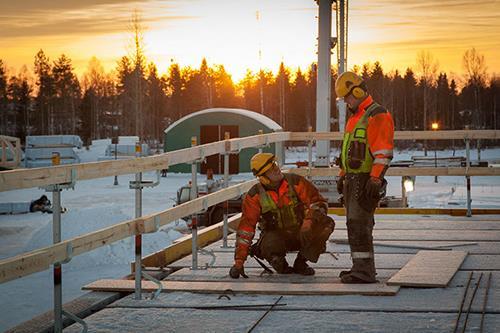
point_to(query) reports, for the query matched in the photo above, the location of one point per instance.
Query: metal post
(324, 80)
(342, 14)
(404, 197)
(279, 152)
(260, 133)
(309, 154)
(138, 238)
(478, 150)
(115, 129)
(467, 177)
(435, 164)
(56, 238)
(226, 203)
(194, 222)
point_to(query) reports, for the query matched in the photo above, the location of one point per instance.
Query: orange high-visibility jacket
(251, 209)
(380, 135)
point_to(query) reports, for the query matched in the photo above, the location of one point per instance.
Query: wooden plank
(375, 289)
(416, 223)
(410, 171)
(340, 211)
(421, 235)
(17, 179)
(182, 246)
(26, 178)
(429, 269)
(382, 261)
(405, 135)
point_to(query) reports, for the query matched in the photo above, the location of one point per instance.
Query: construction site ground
(307, 310)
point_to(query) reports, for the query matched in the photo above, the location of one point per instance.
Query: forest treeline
(134, 99)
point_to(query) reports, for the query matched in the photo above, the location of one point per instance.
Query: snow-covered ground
(95, 204)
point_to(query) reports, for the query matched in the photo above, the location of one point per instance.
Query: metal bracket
(157, 292)
(202, 153)
(156, 222)
(85, 327)
(69, 253)
(145, 183)
(62, 186)
(210, 253)
(204, 204)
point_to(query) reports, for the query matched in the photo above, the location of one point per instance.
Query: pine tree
(442, 110)
(409, 106)
(156, 104)
(19, 92)
(124, 88)
(224, 89)
(312, 78)
(45, 95)
(282, 84)
(251, 93)
(174, 88)
(297, 118)
(3, 98)
(396, 107)
(68, 94)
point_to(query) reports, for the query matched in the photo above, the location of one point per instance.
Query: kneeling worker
(292, 216)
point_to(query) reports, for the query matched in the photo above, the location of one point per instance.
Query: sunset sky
(228, 32)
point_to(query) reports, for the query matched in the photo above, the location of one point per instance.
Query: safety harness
(287, 217)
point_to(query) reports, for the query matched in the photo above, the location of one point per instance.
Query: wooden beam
(26, 178)
(429, 269)
(16, 179)
(182, 246)
(410, 171)
(374, 289)
(405, 135)
(340, 211)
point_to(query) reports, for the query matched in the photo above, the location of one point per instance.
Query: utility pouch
(356, 154)
(269, 221)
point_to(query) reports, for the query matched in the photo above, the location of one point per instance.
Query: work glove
(340, 184)
(373, 187)
(237, 270)
(306, 232)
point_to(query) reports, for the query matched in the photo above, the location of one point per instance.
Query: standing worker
(367, 150)
(291, 214)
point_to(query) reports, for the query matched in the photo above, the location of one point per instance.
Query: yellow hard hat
(350, 83)
(261, 162)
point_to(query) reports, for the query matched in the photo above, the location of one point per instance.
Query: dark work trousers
(276, 243)
(360, 222)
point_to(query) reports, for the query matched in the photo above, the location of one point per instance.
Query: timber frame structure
(12, 144)
(41, 259)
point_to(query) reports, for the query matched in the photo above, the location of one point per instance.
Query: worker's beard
(275, 180)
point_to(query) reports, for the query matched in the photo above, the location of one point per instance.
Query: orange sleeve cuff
(377, 170)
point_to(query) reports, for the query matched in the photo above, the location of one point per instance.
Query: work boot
(355, 277)
(344, 273)
(300, 266)
(280, 265)
(362, 271)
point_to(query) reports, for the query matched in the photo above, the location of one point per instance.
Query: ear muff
(264, 180)
(358, 92)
